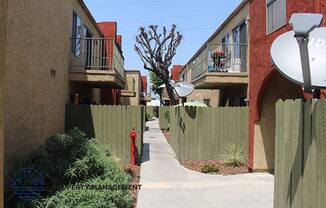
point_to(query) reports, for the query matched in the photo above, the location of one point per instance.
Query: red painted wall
(175, 72)
(109, 29)
(144, 83)
(110, 96)
(119, 41)
(260, 62)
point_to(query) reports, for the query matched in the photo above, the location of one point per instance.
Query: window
(239, 38)
(275, 15)
(184, 77)
(76, 34)
(133, 85)
(225, 43)
(207, 102)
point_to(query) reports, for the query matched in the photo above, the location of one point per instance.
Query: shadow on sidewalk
(145, 156)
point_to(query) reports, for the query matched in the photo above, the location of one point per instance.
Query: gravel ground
(223, 169)
(134, 171)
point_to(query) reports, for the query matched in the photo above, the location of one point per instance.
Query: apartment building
(219, 69)
(135, 89)
(97, 63)
(145, 97)
(268, 20)
(51, 53)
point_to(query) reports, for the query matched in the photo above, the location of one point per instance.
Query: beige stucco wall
(201, 94)
(235, 21)
(264, 137)
(38, 38)
(3, 35)
(132, 77)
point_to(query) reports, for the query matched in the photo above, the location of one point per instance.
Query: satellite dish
(183, 89)
(172, 82)
(287, 58)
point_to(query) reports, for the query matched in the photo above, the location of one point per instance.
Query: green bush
(209, 168)
(73, 159)
(57, 155)
(233, 155)
(97, 197)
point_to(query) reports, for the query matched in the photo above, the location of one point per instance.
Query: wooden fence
(205, 133)
(109, 125)
(300, 154)
(152, 111)
(164, 116)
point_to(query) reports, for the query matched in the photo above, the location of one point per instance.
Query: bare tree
(156, 50)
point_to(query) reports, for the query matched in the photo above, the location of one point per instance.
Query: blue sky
(195, 19)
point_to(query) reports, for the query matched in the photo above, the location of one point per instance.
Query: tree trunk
(171, 93)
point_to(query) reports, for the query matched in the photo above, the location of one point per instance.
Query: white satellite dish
(183, 89)
(300, 55)
(163, 85)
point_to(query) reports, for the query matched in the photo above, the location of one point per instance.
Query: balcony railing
(96, 54)
(230, 58)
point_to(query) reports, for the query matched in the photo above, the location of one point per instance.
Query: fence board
(300, 156)
(109, 125)
(203, 133)
(320, 122)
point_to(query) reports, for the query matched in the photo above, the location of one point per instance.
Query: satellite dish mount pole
(303, 42)
(303, 24)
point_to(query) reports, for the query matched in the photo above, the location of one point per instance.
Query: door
(88, 48)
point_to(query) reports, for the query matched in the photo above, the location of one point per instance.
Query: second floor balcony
(97, 61)
(220, 65)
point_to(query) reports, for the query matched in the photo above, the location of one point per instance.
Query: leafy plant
(233, 155)
(209, 168)
(148, 116)
(167, 116)
(72, 159)
(102, 194)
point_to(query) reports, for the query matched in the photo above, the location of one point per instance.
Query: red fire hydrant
(133, 136)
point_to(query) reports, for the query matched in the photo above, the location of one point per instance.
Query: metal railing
(230, 58)
(96, 54)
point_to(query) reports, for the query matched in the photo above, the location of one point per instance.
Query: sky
(195, 19)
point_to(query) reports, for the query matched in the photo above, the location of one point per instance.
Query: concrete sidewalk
(167, 184)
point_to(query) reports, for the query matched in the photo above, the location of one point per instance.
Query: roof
(226, 21)
(132, 71)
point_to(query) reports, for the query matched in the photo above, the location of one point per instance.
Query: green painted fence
(300, 154)
(152, 111)
(205, 133)
(164, 115)
(109, 125)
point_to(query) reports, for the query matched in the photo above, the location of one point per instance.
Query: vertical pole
(305, 62)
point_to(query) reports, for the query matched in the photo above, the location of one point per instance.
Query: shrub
(100, 196)
(233, 155)
(209, 168)
(56, 156)
(73, 159)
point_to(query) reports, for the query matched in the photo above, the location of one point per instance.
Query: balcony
(221, 65)
(97, 62)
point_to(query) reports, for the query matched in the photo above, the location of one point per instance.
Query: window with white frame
(76, 34)
(275, 15)
(225, 43)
